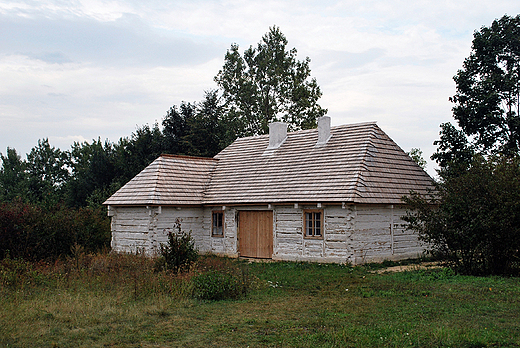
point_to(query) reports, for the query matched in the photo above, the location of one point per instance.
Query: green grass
(118, 301)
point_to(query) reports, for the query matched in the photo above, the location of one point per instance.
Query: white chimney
(277, 134)
(323, 130)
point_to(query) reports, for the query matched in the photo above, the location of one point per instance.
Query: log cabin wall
(355, 234)
(136, 229)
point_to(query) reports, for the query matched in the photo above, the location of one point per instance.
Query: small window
(217, 229)
(313, 222)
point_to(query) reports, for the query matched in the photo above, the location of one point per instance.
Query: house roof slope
(359, 164)
(169, 180)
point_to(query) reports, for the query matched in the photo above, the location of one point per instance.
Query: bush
(215, 286)
(221, 278)
(34, 233)
(179, 253)
(473, 220)
(17, 274)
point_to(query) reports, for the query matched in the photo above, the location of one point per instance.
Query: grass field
(119, 301)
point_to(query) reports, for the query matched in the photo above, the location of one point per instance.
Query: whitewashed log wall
(136, 229)
(354, 234)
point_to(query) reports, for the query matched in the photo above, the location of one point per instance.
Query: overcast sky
(77, 70)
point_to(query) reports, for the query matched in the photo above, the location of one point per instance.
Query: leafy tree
(268, 84)
(487, 101)
(133, 154)
(197, 129)
(13, 179)
(208, 128)
(47, 171)
(416, 155)
(454, 153)
(473, 216)
(473, 219)
(92, 171)
(176, 126)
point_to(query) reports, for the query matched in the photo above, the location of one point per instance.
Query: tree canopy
(268, 84)
(473, 216)
(487, 99)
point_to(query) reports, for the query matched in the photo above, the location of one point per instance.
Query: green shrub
(35, 233)
(179, 253)
(473, 219)
(17, 273)
(215, 286)
(221, 278)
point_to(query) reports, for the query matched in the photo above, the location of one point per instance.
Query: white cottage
(331, 194)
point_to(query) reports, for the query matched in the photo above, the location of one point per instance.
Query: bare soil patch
(412, 267)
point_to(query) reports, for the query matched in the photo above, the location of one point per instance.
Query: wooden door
(255, 234)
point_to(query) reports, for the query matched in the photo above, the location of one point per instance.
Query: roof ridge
(168, 155)
(363, 165)
(366, 123)
(207, 185)
(153, 193)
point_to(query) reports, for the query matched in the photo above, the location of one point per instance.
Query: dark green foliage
(268, 84)
(487, 101)
(47, 173)
(33, 232)
(13, 183)
(216, 286)
(197, 129)
(176, 126)
(209, 130)
(179, 253)
(416, 155)
(93, 172)
(473, 219)
(454, 151)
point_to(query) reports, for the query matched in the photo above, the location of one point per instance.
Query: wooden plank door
(255, 234)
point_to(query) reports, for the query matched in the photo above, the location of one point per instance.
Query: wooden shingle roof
(358, 164)
(169, 180)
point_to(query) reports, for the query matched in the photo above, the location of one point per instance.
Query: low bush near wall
(179, 253)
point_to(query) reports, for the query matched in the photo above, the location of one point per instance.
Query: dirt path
(403, 268)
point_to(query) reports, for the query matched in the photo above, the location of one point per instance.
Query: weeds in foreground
(120, 301)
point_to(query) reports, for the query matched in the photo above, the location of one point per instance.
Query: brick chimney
(323, 130)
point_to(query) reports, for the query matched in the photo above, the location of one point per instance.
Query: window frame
(213, 214)
(305, 227)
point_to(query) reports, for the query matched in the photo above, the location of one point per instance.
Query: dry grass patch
(122, 302)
